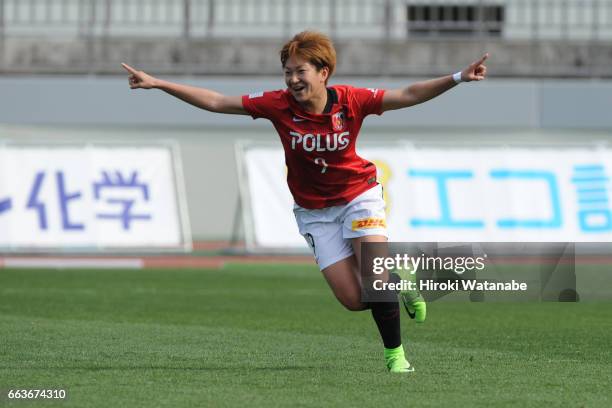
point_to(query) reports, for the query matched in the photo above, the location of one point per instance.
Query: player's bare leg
(344, 277)
(412, 300)
(344, 280)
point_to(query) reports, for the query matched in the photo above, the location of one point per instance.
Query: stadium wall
(493, 113)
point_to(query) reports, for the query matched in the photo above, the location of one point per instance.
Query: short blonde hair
(312, 46)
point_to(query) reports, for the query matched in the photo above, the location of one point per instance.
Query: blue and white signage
(90, 197)
(455, 195)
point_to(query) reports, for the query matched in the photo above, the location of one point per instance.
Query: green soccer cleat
(396, 361)
(411, 299)
(400, 365)
(416, 308)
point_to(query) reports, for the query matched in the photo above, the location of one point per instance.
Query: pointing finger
(128, 68)
(483, 59)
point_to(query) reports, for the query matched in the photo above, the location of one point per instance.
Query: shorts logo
(364, 223)
(338, 121)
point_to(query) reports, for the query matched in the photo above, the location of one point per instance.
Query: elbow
(214, 105)
(411, 97)
(411, 100)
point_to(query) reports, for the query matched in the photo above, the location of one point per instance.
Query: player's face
(303, 79)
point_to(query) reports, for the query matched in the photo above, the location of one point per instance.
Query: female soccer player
(338, 202)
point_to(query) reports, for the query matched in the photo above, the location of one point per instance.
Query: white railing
(368, 19)
(532, 37)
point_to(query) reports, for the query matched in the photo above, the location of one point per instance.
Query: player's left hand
(476, 71)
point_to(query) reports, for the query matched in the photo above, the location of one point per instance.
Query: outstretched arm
(202, 98)
(423, 91)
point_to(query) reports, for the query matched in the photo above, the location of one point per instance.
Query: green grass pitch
(265, 336)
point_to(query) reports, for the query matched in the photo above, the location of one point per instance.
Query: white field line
(103, 263)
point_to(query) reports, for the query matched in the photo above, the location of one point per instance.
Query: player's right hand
(139, 79)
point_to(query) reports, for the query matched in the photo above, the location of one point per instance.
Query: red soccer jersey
(323, 168)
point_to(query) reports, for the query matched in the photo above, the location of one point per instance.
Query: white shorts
(328, 231)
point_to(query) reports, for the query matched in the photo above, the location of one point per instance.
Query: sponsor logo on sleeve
(256, 95)
(367, 223)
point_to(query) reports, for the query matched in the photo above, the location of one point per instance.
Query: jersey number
(321, 162)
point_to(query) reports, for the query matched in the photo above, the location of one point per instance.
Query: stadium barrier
(77, 197)
(443, 194)
(533, 38)
(365, 19)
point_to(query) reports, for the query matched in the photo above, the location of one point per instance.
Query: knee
(353, 305)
